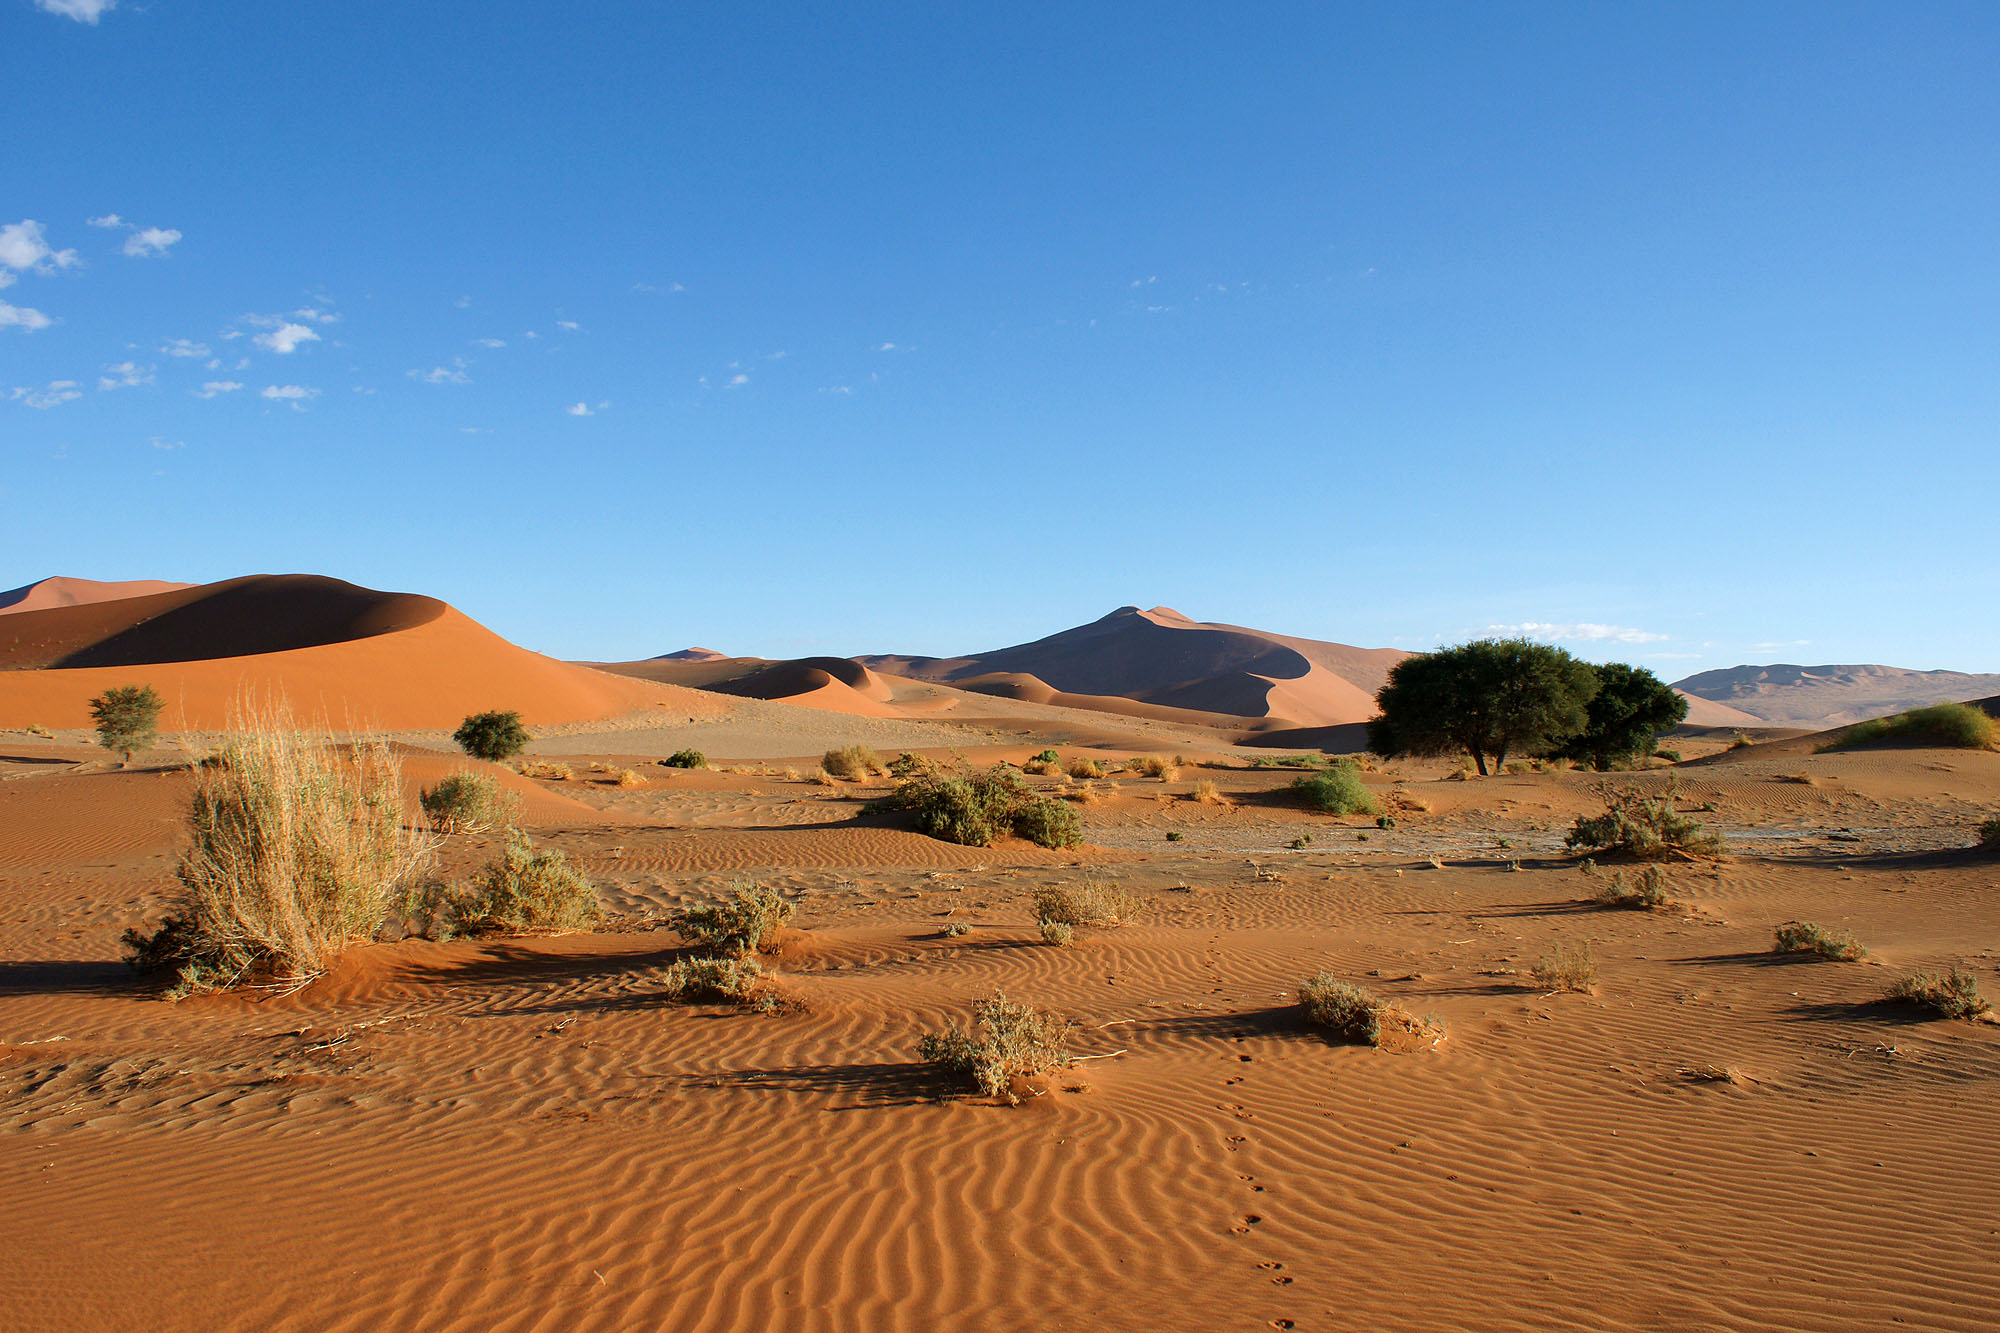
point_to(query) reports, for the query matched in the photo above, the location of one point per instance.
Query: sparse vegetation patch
(1810, 937)
(1949, 726)
(853, 762)
(1646, 890)
(1953, 995)
(1008, 1041)
(1566, 968)
(746, 924)
(468, 803)
(1644, 826)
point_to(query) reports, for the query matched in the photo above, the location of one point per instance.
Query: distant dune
(1161, 657)
(1830, 696)
(361, 657)
(61, 591)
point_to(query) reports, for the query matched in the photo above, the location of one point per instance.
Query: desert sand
(521, 1132)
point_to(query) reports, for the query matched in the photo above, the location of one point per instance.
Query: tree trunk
(1479, 758)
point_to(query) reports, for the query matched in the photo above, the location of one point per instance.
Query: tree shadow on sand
(870, 1085)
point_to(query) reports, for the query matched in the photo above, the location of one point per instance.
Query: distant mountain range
(1831, 696)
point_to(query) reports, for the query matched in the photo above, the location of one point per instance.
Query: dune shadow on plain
(68, 976)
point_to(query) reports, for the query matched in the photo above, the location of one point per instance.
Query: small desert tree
(492, 736)
(1626, 716)
(127, 718)
(1487, 698)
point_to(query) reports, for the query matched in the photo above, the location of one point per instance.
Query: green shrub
(685, 759)
(748, 923)
(492, 736)
(1346, 1010)
(908, 764)
(713, 980)
(1809, 937)
(853, 762)
(1048, 822)
(1091, 903)
(1646, 827)
(1047, 757)
(1337, 790)
(127, 718)
(1008, 1041)
(1989, 833)
(1950, 726)
(468, 803)
(975, 810)
(1650, 890)
(1953, 995)
(296, 852)
(1174, 835)
(526, 889)
(1566, 968)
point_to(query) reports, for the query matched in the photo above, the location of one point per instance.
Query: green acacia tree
(1489, 698)
(127, 718)
(492, 736)
(1627, 715)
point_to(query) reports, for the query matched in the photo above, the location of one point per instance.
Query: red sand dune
(62, 591)
(831, 684)
(363, 658)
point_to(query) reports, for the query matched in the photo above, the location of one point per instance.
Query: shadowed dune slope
(62, 591)
(1829, 696)
(359, 657)
(1161, 657)
(832, 684)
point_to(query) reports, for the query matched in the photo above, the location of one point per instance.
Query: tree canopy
(127, 718)
(1630, 710)
(492, 736)
(1488, 698)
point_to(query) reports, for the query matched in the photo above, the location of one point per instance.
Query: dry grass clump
(1206, 793)
(296, 852)
(748, 923)
(1645, 827)
(1040, 768)
(627, 777)
(1059, 933)
(1009, 1041)
(1091, 903)
(1566, 968)
(1337, 789)
(1813, 938)
(1356, 1015)
(1953, 995)
(1648, 891)
(737, 980)
(853, 762)
(1153, 766)
(468, 803)
(1951, 726)
(1081, 768)
(545, 770)
(1740, 741)
(909, 763)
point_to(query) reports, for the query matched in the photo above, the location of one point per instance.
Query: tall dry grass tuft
(297, 848)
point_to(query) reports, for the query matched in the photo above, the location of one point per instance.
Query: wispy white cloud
(737, 381)
(22, 317)
(579, 410)
(108, 220)
(125, 375)
(568, 325)
(1577, 632)
(284, 339)
(23, 247)
(489, 343)
(317, 315)
(442, 375)
(83, 11)
(214, 387)
(151, 242)
(292, 393)
(838, 388)
(183, 347)
(53, 394)
(166, 445)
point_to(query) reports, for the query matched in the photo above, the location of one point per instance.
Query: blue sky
(1672, 332)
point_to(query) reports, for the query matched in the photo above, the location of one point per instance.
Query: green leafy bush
(1989, 833)
(685, 759)
(1953, 995)
(1337, 790)
(1809, 937)
(1649, 891)
(747, 924)
(973, 811)
(492, 736)
(1008, 1041)
(713, 980)
(1048, 822)
(1949, 726)
(526, 889)
(127, 718)
(468, 803)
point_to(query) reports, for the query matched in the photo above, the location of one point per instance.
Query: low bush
(1041, 768)
(1741, 742)
(737, 980)
(1082, 769)
(1091, 903)
(1566, 968)
(1047, 822)
(1344, 1009)
(1949, 726)
(494, 736)
(1953, 995)
(526, 889)
(543, 770)
(1337, 790)
(1288, 761)
(1989, 833)
(1648, 891)
(625, 777)
(1153, 766)
(1175, 835)
(973, 811)
(853, 762)
(685, 759)
(296, 851)
(1059, 933)
(1646, 827)
(468, 803)
(1008, 1041)
(1206, 793)
(1047, 757)
(908, 764)
(748, 923)
(1810, 937)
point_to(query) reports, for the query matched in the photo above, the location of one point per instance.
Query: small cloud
(737, 381)
(644, 287)
(286, 337)
(214, 387)
(24, 248)
(838, 388)
(568, 325)
(442, 375)
(289, 393)
(108, 220)
(167, 445)
(183, 347)
(888, 347)
(474, 430)
(54, 394)
(317, 316)
(151, 242)
(22, 317)
(489, 343)
(125, 375)
(1577, 632)
(531, 334)
(1145, 282)
(83, 11)
(580, 410)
